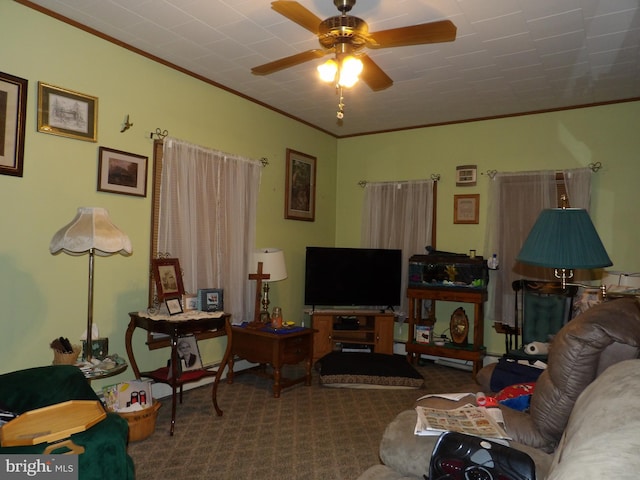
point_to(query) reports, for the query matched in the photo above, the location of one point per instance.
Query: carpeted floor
(310, 433)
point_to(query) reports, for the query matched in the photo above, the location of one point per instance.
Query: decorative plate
(459, 326)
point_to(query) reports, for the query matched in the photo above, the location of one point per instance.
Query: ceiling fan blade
(373, 75)
(299, 14)
(434, 32)
(287, 62)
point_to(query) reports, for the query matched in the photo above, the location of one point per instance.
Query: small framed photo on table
(210, 300)
(173, 305)
(168, 277)
(189, 302)
(189, 353)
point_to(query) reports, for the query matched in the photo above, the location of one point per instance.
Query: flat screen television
(340, 277)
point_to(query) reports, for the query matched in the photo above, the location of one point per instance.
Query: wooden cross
(259, 277)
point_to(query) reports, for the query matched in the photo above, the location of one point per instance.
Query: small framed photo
(210, 300)
(466, 175)
(173, 305)
(168, 277)
(13, 109)
(188, 353)
(67, 113)
(189, 302)
(300, 188)
(466, 208)
(122, 172)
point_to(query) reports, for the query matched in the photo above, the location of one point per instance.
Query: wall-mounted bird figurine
(126, 125)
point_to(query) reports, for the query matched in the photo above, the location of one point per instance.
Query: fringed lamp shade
(91, 229)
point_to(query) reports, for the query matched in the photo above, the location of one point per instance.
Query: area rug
(367, 370)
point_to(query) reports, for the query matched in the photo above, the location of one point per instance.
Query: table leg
(307, 381)
(230, 372)
(127, 342)
(277, 387)
(174, 373)
(225, 359)
(173, 409)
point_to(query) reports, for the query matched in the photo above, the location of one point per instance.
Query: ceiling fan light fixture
(343, 72)
(350, 69)
(328, 70)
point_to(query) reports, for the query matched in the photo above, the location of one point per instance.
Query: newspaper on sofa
(467, 419)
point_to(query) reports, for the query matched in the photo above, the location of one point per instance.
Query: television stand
(363, 327)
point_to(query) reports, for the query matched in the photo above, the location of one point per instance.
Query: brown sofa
(603, 336)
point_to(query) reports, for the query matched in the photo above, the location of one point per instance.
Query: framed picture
(189, 354)
(466, 208)
(13, 108)
(300, 188)
(168, 277)
(122, 172)
(173, 305)
(67, 113)
(210, 300)
(189, 302)
(466, 175)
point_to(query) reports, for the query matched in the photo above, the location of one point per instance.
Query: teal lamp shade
(564, 238)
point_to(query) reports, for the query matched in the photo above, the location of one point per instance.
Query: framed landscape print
(67, 113)
(122, 172)
(300, 188)
(13, 107)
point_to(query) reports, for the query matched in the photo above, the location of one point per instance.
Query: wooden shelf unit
(474, 351)
(374, 328)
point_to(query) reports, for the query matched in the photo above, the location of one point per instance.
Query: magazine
(467, 419)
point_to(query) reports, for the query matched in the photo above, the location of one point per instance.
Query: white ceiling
(509, 57)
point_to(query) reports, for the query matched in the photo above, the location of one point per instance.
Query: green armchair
(105, 443)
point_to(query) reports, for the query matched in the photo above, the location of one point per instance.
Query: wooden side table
(473, 352)
(177, 326)
(277, 348)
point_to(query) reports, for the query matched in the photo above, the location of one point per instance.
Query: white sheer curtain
(398, 215)
(515, 201)
(578, 184)
(208, 203)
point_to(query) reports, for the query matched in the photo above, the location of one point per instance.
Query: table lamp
(564, 239)
(273, 265)
(92, 232)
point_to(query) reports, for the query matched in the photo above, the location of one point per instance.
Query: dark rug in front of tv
(368, 370)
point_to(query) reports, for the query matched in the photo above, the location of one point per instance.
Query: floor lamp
(564, 239)
(92, 232)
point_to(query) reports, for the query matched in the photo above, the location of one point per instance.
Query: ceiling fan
(346, 35)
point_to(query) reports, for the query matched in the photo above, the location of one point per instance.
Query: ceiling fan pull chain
(340, 113)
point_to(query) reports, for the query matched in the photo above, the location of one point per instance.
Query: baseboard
(399, 348)
(455, 363)
(162, 390)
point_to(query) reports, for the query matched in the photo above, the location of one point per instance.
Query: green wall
(44, 296)
(567, 139)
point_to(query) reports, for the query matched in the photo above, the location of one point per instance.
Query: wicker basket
(61, 358)
(143, 422)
